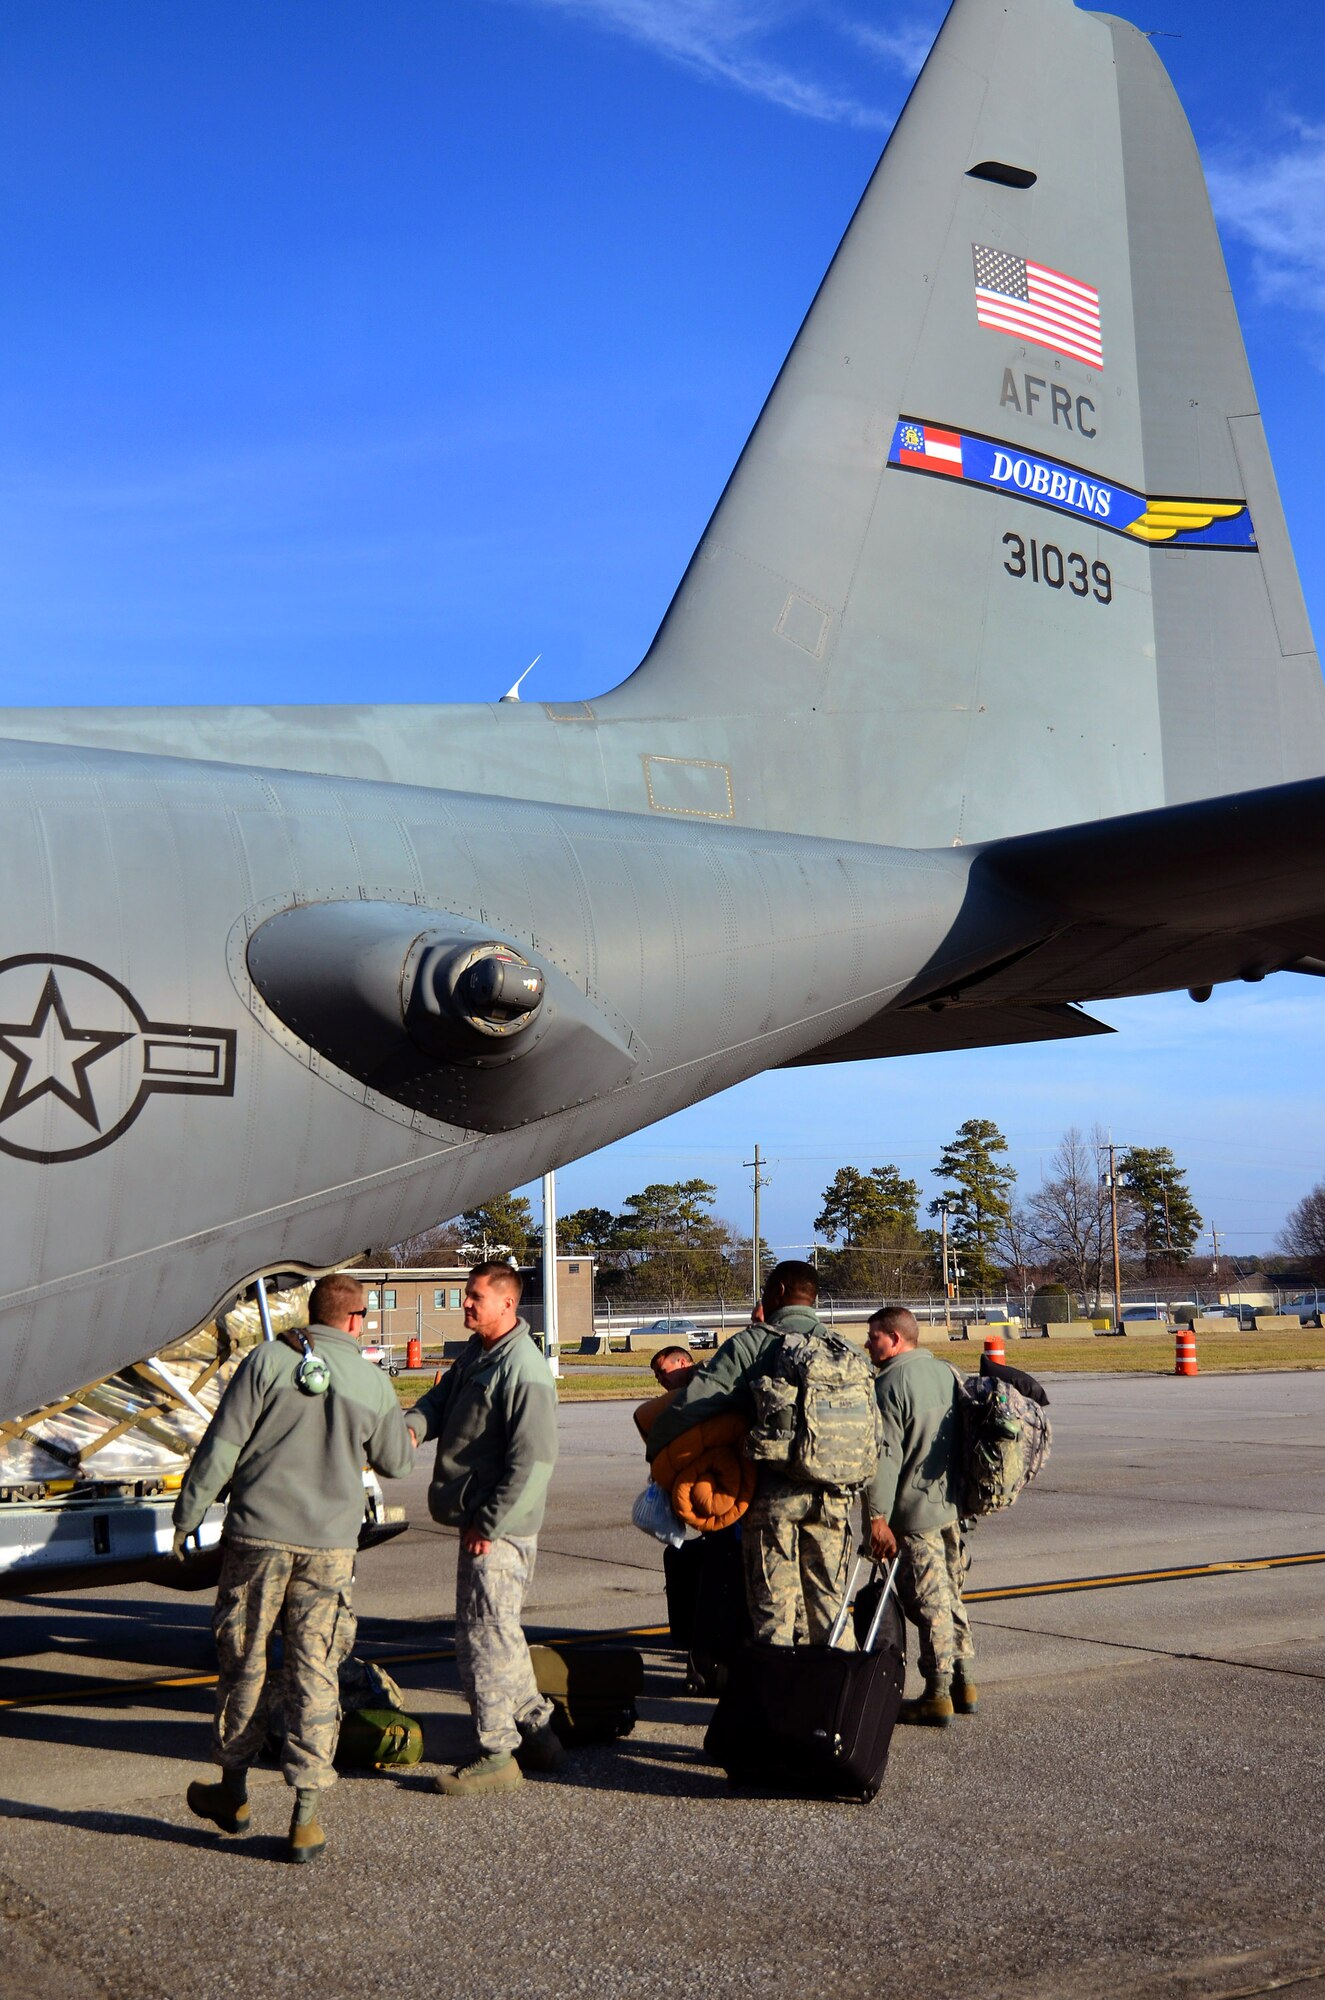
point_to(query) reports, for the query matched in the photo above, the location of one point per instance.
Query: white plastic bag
(652, 1513)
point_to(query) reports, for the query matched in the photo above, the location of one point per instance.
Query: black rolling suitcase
(812, 1718)
(706, 1607)
(892, 1625)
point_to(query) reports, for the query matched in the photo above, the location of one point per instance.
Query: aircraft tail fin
(1006, 534)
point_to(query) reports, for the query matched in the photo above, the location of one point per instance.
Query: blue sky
(353, 350)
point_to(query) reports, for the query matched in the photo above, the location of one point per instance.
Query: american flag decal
(1014, 295)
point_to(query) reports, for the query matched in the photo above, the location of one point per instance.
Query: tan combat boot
(224, 1804)
(307, 1839)
(482, 1774)
(934, 1706)
(965, 1695)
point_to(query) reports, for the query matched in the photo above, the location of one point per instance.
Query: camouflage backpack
(1005, 1438)
(816, 1413)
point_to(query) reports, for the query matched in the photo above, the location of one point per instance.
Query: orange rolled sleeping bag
(710, 1479)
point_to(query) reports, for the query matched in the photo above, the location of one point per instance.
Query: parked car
(1160, 1313)
(683, 1331)
(1307, 1307)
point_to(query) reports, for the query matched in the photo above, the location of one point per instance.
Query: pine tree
(876, 1216)
(1167, 1219)
(977, 1191)
(506, 1221)
(589, 1229)
(672, 1243)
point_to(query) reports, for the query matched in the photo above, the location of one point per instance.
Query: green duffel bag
(373, 1739)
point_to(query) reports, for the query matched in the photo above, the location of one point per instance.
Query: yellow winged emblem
(1163, 519)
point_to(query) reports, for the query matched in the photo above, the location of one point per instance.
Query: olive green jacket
(494, 1415)
(916, 1486)
(724, 1382)
(294, 1462)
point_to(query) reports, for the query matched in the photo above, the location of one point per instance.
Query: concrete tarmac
(1138, 1808)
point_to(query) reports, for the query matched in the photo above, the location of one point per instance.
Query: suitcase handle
(839, 1624)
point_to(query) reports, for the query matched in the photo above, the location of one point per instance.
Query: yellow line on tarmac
(111, 1690)
(90, 1691)
(1124, 1578)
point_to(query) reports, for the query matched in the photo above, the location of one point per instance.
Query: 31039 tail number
(1044, 563)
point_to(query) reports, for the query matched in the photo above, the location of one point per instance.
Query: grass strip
(600, 1378)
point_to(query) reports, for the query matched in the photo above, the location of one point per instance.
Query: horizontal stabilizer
(1189, 895)
(1234, 863)
(917, 1031)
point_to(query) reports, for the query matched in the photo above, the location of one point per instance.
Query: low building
(426, 1303)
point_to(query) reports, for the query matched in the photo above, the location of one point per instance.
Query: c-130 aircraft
(1004, 541)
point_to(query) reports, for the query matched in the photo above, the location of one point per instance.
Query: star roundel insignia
(43, 1053)
(79, 1058)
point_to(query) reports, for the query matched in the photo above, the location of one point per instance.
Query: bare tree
(1303, 1234)
(429, 1249)
(1070, 1216)
(1020, 1250)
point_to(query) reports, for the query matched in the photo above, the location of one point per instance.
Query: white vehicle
(685, 1332)
(380, 1354)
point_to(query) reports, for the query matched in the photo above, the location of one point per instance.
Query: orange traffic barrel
(994, 1347)
(414, 1353)
(1185, 1359)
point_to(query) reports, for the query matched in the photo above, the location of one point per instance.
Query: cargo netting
(144, 1423)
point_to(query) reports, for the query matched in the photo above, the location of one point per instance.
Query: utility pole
(947, 1288)
(551, 1341)
(760, 1181)
(1113, 1223)
(1214, 1262)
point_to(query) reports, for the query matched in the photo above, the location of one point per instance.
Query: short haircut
(797, 1279)
(498, 1272)
(335, 1297)
(666, 1353)
(899, 1320)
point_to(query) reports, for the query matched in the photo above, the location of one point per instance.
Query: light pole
(551, 1340)
(947, 1287)
(1111, 1180)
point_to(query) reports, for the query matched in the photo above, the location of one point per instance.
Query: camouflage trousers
(496, 1672)
(304, 1594)
(931, 1570)
(796, 1546)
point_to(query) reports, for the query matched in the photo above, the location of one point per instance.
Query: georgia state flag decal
(927, 449)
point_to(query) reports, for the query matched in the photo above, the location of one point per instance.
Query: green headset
(312, 1374)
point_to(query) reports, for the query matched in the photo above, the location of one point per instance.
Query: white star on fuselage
(51, 1055)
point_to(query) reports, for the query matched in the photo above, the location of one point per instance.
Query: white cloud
(904, 46)
(736, 42)
(1275, 203)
